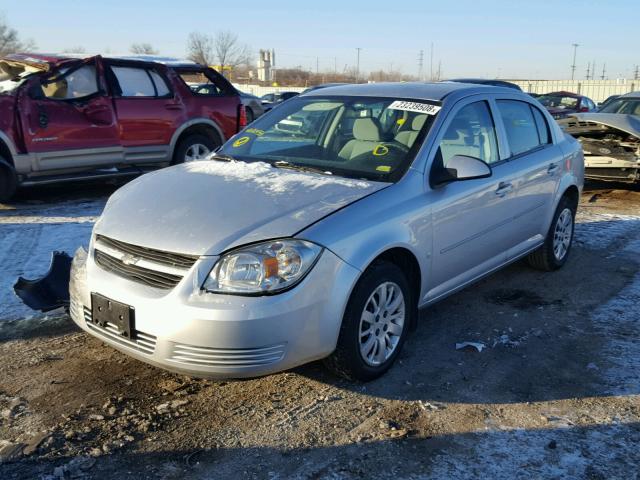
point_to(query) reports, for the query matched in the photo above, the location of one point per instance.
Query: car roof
(564, 94)
(416, 90)
(630, 95)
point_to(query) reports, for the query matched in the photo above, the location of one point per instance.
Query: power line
(573, 66)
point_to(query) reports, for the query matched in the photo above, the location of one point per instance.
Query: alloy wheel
(197, 151)
(381, 323)
(562, 234)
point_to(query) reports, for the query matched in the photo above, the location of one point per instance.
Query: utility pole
(588, 69)
(431, 65)
(317, 66)
(335, 65)
(439, 70)
(573, 66)
(593, 70)
(358, 64)
(604, 67)
(420, 65)
(636, 73)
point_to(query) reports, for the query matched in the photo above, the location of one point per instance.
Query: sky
(483, 38)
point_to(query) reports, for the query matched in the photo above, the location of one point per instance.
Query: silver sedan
(319, 231)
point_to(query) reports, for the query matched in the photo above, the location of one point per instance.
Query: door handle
(552, 168)
(173, 106)
(504, 188)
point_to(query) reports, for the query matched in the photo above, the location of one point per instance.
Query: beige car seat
(408, 137)
(366, 136)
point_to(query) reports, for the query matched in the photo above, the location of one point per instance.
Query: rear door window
(140, 82)
(520, 126)
(542, 126)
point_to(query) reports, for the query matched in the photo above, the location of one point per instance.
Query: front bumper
(610, 168)
(219, 336)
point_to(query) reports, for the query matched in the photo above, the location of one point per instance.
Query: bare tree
(222, 50)
(200, 48)
(10, 41)
(76, 49)
(229, 52)
(143, 49)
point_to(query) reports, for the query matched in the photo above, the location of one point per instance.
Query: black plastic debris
(48, 292)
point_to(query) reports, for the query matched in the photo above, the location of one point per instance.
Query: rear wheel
(194, 147)
(375, 324)
(8, 181)
(554, 252)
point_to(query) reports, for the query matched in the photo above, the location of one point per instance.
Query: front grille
(140, 341)
(227, 357)
(135, 273)
(161, 257)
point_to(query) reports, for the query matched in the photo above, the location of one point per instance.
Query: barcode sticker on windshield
(415, 107)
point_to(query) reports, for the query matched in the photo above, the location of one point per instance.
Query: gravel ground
(555, 393)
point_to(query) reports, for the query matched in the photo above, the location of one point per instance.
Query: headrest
(418, 122)
(366, 129)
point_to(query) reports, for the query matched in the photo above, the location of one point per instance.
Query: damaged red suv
(67, 118)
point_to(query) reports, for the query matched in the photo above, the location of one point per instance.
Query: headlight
(263, 268)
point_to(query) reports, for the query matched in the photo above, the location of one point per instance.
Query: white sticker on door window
(415, 107)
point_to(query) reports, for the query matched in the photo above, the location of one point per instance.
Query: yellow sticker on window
(241, 141)
(383, 168)
(256, 131)
(380, 150)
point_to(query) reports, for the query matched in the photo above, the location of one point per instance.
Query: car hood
(207, 207)
(627, 123)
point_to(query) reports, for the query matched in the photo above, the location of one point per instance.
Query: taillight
(242, 117)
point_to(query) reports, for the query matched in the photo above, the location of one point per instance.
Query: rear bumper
(220, 336)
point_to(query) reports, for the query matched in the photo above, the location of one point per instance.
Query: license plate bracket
(119, 315)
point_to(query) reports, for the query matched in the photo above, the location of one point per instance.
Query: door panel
(146, 108)
(472, 228)
(64, 119)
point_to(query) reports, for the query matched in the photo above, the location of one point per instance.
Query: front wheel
(554, 252)
(375, 324)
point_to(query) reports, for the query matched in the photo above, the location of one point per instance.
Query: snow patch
(600, 230)
(271, 179)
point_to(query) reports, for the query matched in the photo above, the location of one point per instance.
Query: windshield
(559, 101)
(630, 106)
(356, 137)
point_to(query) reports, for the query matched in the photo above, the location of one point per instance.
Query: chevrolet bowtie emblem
(130, 260)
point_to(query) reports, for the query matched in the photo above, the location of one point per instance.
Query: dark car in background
(562, 104)
(607, 101)
(271, 100)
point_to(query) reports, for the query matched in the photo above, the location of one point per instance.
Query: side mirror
(460, 168)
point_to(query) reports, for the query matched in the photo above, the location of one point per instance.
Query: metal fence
(258, 91)
(597, 90)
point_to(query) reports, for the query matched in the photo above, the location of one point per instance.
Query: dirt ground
(555, 393)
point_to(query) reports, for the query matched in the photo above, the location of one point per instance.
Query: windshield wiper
(222, 157)
(300, 168)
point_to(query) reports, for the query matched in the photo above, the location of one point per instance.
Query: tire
(192, 141)
(545, 258)
(250, 115)
(8, 181)
(348, 359)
